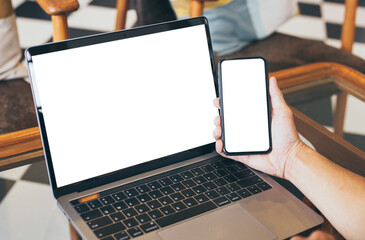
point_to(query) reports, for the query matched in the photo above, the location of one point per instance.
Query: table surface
(301, 85)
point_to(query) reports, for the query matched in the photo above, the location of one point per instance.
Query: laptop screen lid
(114, 105)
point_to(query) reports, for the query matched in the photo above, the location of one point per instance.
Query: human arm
(338, 193)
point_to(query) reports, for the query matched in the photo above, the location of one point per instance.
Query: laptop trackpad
(232, 222)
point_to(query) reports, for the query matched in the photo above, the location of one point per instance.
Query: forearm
(338, 193)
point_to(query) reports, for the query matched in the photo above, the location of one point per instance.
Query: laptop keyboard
(135, 209)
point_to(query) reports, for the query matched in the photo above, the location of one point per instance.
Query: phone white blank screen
(246, 125)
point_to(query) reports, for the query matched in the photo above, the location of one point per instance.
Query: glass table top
(318, 100)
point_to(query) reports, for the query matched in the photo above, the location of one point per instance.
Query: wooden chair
(59, 10)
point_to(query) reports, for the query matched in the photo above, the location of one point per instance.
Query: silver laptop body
(123, 111)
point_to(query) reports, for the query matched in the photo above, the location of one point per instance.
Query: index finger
(216, 103)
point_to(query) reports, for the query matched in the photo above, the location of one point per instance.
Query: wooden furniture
(60, 9)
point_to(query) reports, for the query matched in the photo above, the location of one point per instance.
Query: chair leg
(73, 233)
(60, 27)
(122, 6)
(339, 116)
(196, 8)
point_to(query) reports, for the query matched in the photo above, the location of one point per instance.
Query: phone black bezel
(221, 110)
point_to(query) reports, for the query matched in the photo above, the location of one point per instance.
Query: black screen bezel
(221, 112)
(101, 38)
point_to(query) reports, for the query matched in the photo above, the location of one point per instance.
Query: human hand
(285, 138)
(317, 235)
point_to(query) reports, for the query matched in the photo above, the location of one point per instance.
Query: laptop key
(217, 165)
(233, 187)
(254, 189)
(144, 197)
(135, 232)
(107, 210)
(212, 194)
(149, 227)
(143, 218)
(264, 186)
(154, 204)
(188, 193)
(199, 189)
(190, 202)
(220, 173)
(82, 208)
(187, 175)
(179, 206)
(143, 189)
(107, 200)
(249, 181)
(120, 205)
(244, 174)
(154, 185)
(94, 204)
(116, 217)
(130, 222)
(210, 176)
(210, 185)
(220, 182)
(227, 162)
(178, 187)
(189, 183)
(110, 229)
(100, 222)
(121, 236)
(119, 196)
(185, 214)
(155, 194)
(177, 197)
(200, 180)
(131, 192)
(165, 181)
(165, 200)
(244, 193)
(201, 198)
(155, 214)
(87, 216)
(167, 190)
(142, 208)
(233, 197)
(167, 210)
(221, 201)
(207, 168)
(240, 166)
(130, 212)
(197, 171)
(230, 169)
(222, 191)
(230, 178)
(176, 178)
(131, 201)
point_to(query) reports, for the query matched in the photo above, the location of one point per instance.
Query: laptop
(126, 125)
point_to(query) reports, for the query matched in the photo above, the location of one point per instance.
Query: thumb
(276, 96)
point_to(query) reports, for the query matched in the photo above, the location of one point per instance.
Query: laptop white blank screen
(113, 105)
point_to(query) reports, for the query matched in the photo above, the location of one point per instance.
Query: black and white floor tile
(27, 207)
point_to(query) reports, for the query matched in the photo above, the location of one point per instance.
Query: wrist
(292, 160)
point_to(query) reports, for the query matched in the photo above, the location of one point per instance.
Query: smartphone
(244, 106)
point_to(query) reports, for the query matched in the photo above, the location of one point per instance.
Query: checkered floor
(27, 207)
